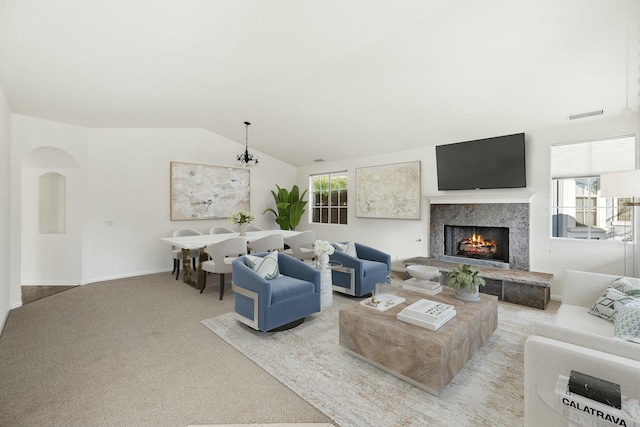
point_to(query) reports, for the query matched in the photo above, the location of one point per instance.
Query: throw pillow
(266, 267)
(610, 303)
(623, 285)
(348, 248)
(627, 324)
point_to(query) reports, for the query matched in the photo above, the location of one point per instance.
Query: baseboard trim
(124, 276)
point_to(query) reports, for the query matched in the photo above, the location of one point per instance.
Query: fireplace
(477, 242)
(507, 224)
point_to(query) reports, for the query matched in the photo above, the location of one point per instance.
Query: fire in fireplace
(477, 246)
(487, 243)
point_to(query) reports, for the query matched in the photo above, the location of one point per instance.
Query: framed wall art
(389, 191)
(207, 192)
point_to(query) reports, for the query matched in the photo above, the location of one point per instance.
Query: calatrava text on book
(594, 412)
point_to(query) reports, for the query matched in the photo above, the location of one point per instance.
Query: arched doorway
(51, 234)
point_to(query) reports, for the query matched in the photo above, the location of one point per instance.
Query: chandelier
(246, 159)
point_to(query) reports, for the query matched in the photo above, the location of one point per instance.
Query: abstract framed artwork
(207, 192)
(389, 191)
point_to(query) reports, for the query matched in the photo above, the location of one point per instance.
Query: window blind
(592, 158)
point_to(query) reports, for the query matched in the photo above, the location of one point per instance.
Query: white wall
(128, 187)
(6, 302)
(40, 146)
(124, 180)
(408, 238)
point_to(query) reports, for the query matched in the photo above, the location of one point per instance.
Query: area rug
(488, 391)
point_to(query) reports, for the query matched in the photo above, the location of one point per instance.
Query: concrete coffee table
(424, 358)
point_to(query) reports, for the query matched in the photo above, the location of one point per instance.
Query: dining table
(199, 242)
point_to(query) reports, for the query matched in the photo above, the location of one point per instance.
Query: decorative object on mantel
(290, 207)
(464, 280)
(207, 192)
(242, 218)
(246, 159)
(389, 191)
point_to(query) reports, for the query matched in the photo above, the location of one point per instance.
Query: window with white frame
(329, 198)
(577, 208)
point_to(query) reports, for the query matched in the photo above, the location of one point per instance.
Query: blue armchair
(264, 304)
(358, 275)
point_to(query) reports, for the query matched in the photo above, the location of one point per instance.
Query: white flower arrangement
(322, 247)
(242, 217)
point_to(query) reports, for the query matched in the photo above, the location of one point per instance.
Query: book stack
(428, 314)
(427, 287)
(591, 405)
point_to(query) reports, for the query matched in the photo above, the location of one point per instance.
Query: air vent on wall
(585, 115)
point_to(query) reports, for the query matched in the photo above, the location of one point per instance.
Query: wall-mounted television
(497, 162)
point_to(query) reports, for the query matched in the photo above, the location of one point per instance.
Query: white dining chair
(222, 255)
(218, 229)
(268, 243)
(177, 252)
(254, 228)
(301, 245)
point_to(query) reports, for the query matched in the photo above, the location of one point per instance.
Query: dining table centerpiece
(242, 218)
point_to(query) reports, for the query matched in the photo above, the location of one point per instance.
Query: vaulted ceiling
(328, 79)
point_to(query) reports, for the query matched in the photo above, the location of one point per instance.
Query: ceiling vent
(585, 115)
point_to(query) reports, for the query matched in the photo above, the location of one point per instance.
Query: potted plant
(289, 207)
(464, 280)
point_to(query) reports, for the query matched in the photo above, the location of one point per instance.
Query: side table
(326, 285)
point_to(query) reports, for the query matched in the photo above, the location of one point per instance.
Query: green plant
(289, 207)
(464, 277)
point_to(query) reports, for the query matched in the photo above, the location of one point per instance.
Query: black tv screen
(484, 163)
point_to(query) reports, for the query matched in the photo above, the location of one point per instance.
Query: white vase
(243, 229)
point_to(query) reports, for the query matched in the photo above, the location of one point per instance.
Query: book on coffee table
(428, 310)
(431, 325)
(422, 286)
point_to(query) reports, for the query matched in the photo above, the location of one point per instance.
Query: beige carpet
(132, 352)
(308, 360)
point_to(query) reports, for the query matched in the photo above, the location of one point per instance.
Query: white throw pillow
(610, 303)
(348, 248)
(627, 324)
(623, 285)
(266, 267)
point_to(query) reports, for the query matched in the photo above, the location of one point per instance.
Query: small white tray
(385, 302)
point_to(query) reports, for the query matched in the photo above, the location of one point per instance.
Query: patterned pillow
(627, 324)
(610, 303)
(348, 248)
(623, 285)
(266, 267)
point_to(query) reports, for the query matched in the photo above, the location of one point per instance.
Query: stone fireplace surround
(514, 216)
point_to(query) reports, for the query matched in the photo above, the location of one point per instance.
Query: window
(329, 198)
(578, 211)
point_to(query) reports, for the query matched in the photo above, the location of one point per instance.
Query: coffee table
(426, 359)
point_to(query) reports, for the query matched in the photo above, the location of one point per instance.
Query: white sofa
(577, 340)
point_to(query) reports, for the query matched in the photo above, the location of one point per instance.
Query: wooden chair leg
(221, 285)
(177, 261)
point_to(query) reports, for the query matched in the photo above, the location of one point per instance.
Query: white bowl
(422, 272)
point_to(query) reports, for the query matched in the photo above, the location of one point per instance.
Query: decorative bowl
(422, 272)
